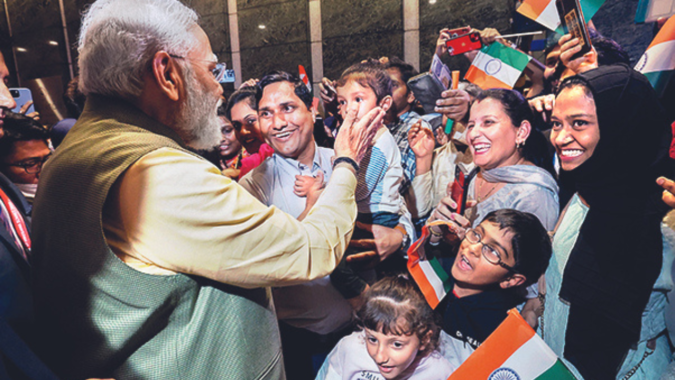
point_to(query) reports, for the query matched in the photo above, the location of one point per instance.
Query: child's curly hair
(395, 305)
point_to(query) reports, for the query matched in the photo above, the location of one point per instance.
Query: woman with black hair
(611, 135)
(242, 111)
(514, 165)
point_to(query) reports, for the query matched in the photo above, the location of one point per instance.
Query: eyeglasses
(31, 166)
(218, 73)
(490, 254)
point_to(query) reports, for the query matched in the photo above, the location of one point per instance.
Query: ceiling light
(53, 43)
(261, 26)
(21, 49)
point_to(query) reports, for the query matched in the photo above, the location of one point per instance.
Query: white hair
(118, 39)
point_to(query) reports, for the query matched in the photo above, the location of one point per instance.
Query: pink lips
(463, 265)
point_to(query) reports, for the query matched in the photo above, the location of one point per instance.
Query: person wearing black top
(509, 250)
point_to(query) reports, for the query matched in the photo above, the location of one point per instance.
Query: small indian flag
(497, 66)
(428, 274)
(658, 62)
(303, 77)
(546, 13)
(513, 351)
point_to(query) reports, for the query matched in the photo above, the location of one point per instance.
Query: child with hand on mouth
(361, 88)
(397, 340)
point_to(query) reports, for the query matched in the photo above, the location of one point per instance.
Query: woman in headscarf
(611, 136)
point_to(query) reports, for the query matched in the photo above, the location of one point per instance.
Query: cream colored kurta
(174, 212)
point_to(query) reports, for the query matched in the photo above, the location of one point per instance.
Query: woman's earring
(519, 144)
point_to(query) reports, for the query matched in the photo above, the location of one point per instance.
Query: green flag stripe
(511, 57)
(660, 80)
(558, 371)
(441, 274)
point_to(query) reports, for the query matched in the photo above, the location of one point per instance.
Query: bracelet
(346, 160)
(434, 232)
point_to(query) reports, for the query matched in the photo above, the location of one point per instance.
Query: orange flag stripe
(498, 347)
(483, 80)
(413, 265)
(533, 8)
(424, 285)
(667, 33)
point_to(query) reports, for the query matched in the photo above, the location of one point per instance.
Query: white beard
(197, 121)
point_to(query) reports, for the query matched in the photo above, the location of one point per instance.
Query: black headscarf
(617, 256)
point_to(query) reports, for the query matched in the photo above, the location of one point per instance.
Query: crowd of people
(175, 233)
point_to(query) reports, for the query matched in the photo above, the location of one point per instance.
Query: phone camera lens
(15, 93)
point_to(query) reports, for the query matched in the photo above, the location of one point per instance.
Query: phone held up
(572, 19)
(22, 96)
(464, 43)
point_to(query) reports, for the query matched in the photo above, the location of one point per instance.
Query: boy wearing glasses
(508, 250)
(23, 151)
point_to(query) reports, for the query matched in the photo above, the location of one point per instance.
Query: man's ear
(385, 103)
(513, 280)
(167, 75)
(523, 132)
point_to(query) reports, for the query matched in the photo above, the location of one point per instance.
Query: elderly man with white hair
(148, 263)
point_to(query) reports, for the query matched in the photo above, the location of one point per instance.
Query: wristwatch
(406, 239)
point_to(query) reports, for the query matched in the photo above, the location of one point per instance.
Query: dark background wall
(351, 29)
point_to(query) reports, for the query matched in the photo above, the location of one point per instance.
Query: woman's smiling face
(575, 133)
(491, 135)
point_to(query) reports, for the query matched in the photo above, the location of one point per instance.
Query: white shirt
(316, 305)
(350, 360)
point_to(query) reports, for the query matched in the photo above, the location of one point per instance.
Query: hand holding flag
(513, 351)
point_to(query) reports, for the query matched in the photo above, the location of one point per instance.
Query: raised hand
(568, 48)
(421, 140)
(443, 36)
(355, 137)
(544, 105)
(454, 104)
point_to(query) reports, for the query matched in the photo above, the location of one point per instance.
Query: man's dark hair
(609, 51)
(301, 91)
(531, 243)
(407, 70)
(248, 94)
(19, 127)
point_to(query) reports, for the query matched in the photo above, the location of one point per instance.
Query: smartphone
(462, 44)
(572, 19)
(454, 33)
(22, 96)
(459, 189)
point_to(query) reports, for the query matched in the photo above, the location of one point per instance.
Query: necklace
(480, 189)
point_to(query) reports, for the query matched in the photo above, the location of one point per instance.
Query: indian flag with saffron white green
(546, 13)
(497, 66)
(428, 274)
(513, 351)
(658, 62)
